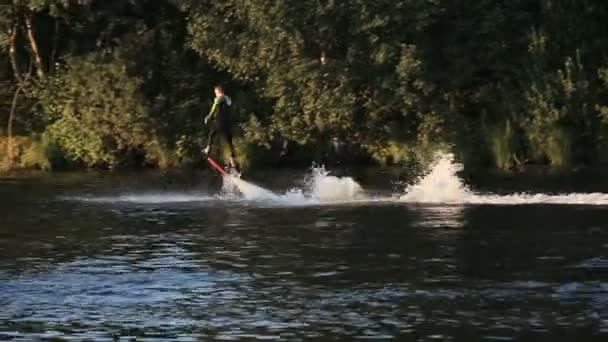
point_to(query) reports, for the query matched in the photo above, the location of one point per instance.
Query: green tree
(328, 69)
(96, 109)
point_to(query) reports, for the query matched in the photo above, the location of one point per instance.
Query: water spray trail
(319, 188)
(443, 186)
(233, 184)
(440, 186)
(325, 187)
(142, 198)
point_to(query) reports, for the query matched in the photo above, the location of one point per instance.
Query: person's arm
(214, 108)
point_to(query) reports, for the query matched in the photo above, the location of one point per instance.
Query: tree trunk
(12, 51)
(34, 45)
(11, 118)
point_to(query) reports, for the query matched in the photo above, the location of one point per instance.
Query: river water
(312, 257)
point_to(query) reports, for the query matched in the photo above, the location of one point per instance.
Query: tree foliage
(96, 110)
(508, 83)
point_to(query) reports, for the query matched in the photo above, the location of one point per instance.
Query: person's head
(219, 91)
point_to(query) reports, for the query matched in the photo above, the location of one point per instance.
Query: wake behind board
(248, 190)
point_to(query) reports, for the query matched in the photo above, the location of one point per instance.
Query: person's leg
(227, 133)
(209, 140)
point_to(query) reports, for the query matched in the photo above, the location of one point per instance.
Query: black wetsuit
(221, 121)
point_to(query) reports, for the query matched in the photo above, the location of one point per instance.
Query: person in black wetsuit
(220, 122)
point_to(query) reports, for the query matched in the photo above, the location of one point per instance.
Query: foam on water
(319, 188)
(440, 185)
(443, 186)
(325, 187)
(234, 185)
(150, 198)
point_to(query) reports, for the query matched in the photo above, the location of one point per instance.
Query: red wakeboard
(216, 166)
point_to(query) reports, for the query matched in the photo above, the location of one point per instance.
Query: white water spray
(321, 187)
(325, 187)
(233, 185)
(443, 186)
(143, 198)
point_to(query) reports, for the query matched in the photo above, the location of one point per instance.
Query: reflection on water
(213, 268)
(440, 216)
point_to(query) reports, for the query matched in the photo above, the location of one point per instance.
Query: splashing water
(443, 186)
(321, 187)
(440, 186)
(331, 188)
(150, 198)
(234, 184)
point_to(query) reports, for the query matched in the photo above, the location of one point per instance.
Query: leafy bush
(95, 109)
(501, 145)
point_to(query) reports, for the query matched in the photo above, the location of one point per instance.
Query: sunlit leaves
(97, 110)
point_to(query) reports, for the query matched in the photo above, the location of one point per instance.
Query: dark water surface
(116, 257)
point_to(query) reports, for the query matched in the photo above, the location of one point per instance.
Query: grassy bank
(27, 153)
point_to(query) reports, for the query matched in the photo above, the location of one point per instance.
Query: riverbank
(33, 157)
(22, 155)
